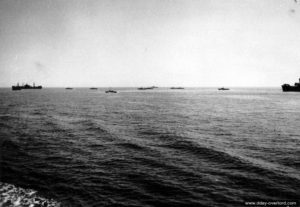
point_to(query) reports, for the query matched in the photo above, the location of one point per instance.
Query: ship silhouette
(26, 86)
(176, 88)
(110, 91)
(287, 87)
(147, 88)
(223, 89)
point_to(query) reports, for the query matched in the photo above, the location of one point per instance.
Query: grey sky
(149, 42)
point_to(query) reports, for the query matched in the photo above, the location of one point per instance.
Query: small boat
(69, 88)
(110, 91)
(223, 89)
(176, 88)
(94, 88)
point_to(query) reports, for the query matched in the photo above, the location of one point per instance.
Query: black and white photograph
(149, 103)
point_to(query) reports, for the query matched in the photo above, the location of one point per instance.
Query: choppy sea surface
(160, 147)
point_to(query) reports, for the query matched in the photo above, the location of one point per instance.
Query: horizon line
(151, 86)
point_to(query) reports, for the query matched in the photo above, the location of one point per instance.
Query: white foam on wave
(12, 196)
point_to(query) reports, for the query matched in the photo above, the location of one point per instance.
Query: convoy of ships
(285, 88)
(27, 86)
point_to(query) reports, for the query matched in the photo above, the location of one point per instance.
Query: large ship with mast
(288, 88)
(26, 86)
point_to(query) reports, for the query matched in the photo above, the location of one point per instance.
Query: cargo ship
(288, 88)
(26, 86)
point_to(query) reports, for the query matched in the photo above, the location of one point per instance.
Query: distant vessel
(176, 88)
(26, 86)
(110, 91)
(223, 89)
(287, 87)
(147, 88)
(93, 88)
(69, 88)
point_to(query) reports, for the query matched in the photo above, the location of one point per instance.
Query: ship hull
(288, 88)
(18, 88)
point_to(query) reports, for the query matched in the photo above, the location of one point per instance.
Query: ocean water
(161, 147)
